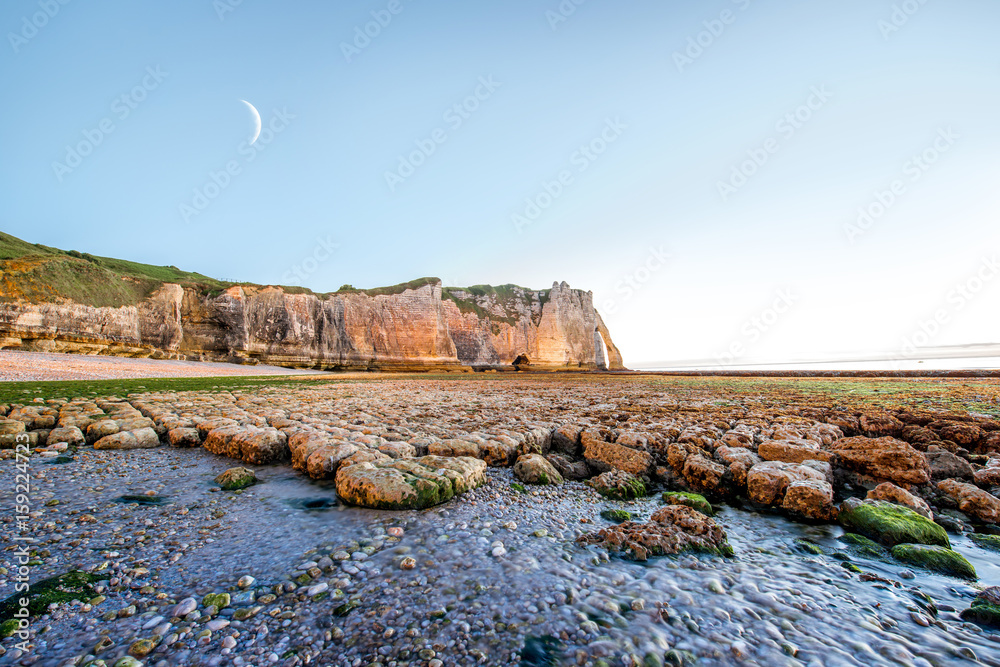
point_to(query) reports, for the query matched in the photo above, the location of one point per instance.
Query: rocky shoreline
(511, 520)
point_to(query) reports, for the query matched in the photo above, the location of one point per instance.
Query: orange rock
(972, 500)
(885, 459)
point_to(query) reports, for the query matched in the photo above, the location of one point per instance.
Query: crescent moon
(256, 121)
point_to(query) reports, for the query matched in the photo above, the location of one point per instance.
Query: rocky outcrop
(420, 324)
(671, 530)
(408, 483)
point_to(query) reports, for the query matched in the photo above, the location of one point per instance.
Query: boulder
(792, 451)
(739, 460)
(144, 438)
(811, 498)
(498, 453)
(567, 468)
(324, 461)
(989, 443)
(945, 465)
(454, 448)
(99, 429)
(251, 444)
(884, 459)
(409, 483)
(184, 437)
(990, 475)
(566, 440)
(891, 493)
(972, 500)
(535, 469)
(236, 478)
(890, 524)
(985, 608)
(876, 424)
(702, 473)
(11, 427)
(963, 433)
(768, 481)
(935, 558)
(604, 456)
(692, 500)
(618, 485)
(398, 450)
(671, 530)
(71, 435)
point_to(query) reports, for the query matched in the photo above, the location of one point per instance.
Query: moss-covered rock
(236, 478)
(618, 516)
(991, 542)
(861, 546)
(983, 613)
(935, 558)
(808, 547)
(692, 500)
(618, 485)
(9, 627)
(890, 524)
(217, 600)
(398, 484)
(73, 585)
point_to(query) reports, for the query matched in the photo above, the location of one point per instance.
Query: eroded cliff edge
(423, 326)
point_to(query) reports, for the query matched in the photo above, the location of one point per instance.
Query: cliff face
(426, 326)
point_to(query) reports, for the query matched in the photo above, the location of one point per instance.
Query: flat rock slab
(143, 438)
(409, 483)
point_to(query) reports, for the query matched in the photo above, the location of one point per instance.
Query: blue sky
(612, 100)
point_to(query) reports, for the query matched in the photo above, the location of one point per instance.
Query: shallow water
(773, 604)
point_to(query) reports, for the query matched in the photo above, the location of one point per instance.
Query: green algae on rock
(618, 485)
(890, 524)
(617, 516)
(935, 558)
(73, 585)
(693, 500)
(861, 546)
(990, 542)
(399, 484)
(985, 609)
(236, 478)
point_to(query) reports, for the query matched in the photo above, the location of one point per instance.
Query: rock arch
(600, 351)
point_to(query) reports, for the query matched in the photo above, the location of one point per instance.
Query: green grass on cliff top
(39, 273)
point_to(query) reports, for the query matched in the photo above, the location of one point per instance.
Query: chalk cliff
(421, 327)
(53, 300)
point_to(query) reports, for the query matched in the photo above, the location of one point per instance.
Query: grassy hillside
(38, 273)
